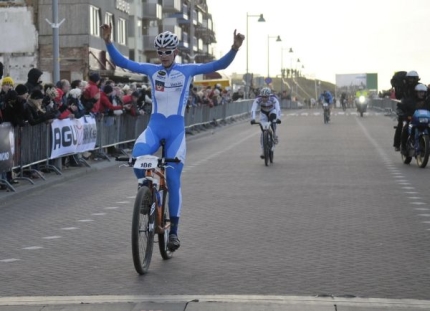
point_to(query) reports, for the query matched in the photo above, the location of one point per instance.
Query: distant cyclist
(270, 110)
(170, 83)
(326, 97)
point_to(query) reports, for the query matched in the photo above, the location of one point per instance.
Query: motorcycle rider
(411, 81)
(360, 92)
(270, 110)
(418, 101)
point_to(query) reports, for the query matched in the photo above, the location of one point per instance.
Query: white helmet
(265, 91)
(420, 87)
(166, 40)
(412, 73)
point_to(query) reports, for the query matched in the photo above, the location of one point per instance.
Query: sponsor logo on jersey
(161, 73)
(159, 86)
(176, 84)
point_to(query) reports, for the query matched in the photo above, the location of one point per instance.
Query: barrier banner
(7, 147)
(73, 136)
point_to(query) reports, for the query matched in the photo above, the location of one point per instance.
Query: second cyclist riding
(270, 112)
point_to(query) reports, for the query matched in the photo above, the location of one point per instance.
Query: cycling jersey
(267, 107)
(170, 87)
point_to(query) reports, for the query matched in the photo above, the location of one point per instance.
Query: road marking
(98, 214)
(52, 237)
(305, 302)
(385, 158)
(85, 220)
(10, 260)
(32, 247)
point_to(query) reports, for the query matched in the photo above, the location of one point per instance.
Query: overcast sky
(329, 36)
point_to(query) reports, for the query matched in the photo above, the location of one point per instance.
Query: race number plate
(147, 162)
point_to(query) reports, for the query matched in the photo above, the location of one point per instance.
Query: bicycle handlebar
(161, 161)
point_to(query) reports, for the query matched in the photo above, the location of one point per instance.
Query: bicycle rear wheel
(163, 238)
(142, 229)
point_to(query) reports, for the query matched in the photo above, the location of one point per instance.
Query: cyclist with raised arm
(170, 83)
(270, 111)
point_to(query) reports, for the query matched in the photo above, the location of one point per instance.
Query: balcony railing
(172, 6)
(152, 11)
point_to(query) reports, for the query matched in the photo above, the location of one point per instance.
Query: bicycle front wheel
(142, 229)
(266, 147)
(271, 144)
(163, 238)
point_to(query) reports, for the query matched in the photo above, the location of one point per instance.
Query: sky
(329, 37)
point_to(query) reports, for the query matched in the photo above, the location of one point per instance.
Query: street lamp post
(291, 71)
(278, 39)
(297, 66)
(282, 68)
(260, 19)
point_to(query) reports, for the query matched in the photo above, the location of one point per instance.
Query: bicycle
(326, 109)
(268, 140)
(150, 212)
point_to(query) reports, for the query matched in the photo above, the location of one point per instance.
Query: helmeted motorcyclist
(360, 92)
(411, 81)
(418, 101)
(270, 111)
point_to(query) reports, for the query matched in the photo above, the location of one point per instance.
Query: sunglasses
(168, 52)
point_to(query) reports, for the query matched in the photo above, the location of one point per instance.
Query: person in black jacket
(411, 80)
(34, 80)
(34, 112)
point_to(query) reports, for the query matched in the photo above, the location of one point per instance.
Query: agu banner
(7, 147)
(73, 136)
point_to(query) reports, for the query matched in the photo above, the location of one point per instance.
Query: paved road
(336, 215)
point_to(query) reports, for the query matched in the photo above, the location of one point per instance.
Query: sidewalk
(207, 303)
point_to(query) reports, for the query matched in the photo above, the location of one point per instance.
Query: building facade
(26, 26)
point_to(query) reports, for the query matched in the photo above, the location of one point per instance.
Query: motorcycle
(361, 103)
(417, 143)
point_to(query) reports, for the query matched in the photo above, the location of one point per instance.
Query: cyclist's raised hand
(106, 32)
(237, 40)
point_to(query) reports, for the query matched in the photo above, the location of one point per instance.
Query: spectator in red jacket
(91, 96)
(105, 104)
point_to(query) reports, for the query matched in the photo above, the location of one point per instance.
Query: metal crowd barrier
(33, 143)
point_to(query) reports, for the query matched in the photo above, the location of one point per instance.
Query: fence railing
(32, 144)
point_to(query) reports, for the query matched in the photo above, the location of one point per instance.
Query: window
(95, 21)
(109, 21)
(121, 31)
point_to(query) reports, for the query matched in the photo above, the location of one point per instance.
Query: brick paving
(329, 217)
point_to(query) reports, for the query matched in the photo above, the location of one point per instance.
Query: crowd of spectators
(210, 96)
(35, 102)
